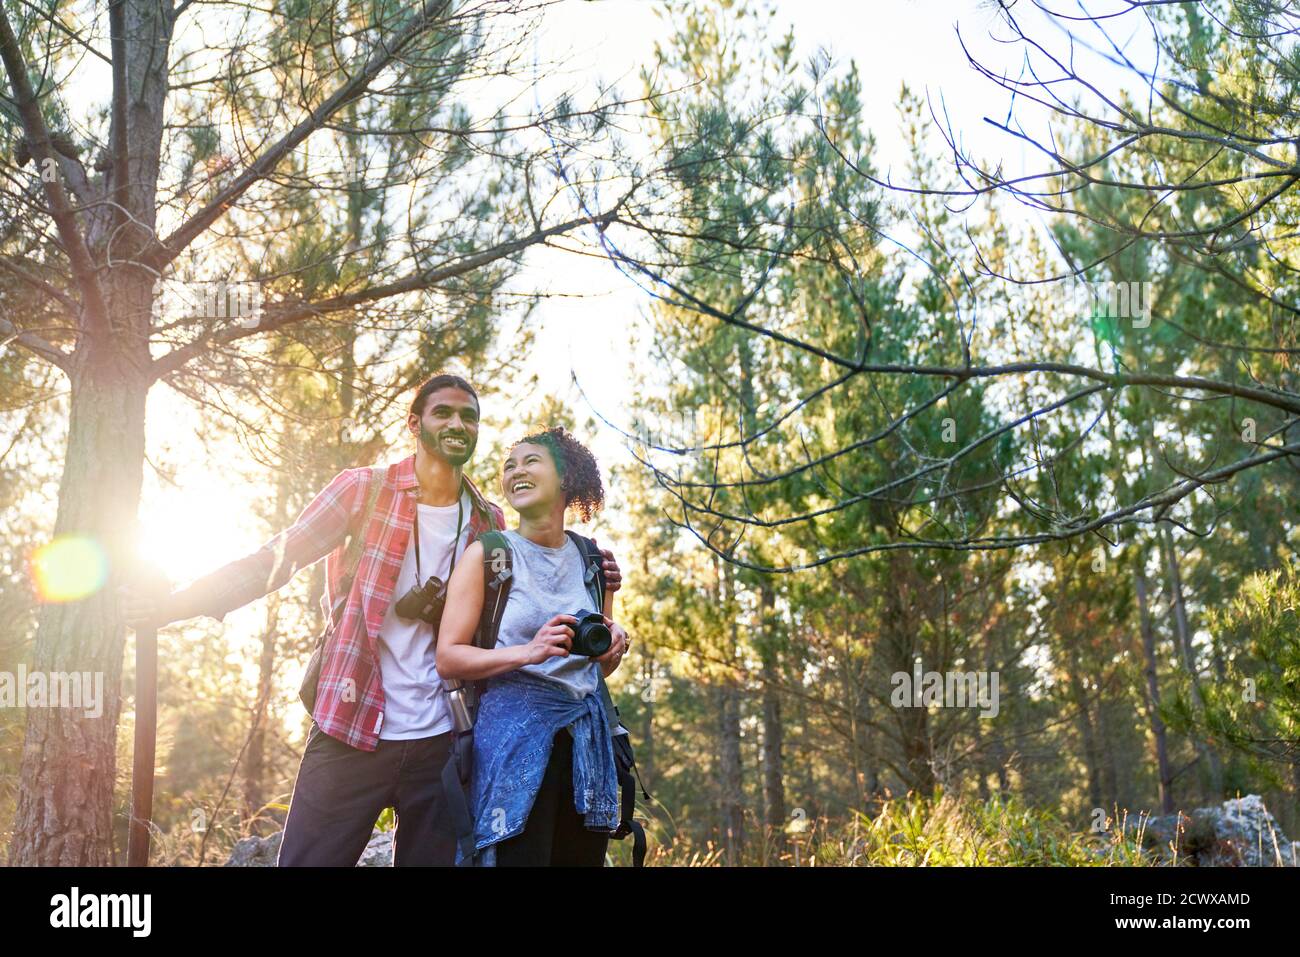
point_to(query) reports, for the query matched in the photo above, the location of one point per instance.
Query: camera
(424, 602)
(591, 635)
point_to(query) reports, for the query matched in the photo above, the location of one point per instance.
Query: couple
(544, 787)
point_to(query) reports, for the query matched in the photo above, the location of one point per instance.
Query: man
(381, 732)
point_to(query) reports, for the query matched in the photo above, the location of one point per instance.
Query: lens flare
(68, 568)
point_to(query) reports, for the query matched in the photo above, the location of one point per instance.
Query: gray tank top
(547, 582)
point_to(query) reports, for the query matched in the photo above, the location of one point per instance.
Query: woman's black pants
(554, 834)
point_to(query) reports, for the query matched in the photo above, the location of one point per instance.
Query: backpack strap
(352, 549)
(594, 576)
(498, 574)
(594, 562)
(356, 541)
(624, 761)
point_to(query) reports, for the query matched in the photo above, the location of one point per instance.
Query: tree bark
(901, 651)
(255, 772)
(1079, 697)
(730, 780)
(773, 730)
(1164, 774)
(1183, 632)
(68, 766)
(66, 775)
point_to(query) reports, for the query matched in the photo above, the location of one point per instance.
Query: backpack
(355, 543)
(497, 575)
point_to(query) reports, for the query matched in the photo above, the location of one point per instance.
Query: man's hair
(441, 380)
(579, 473)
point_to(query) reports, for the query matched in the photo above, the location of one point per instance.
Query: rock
(256, 851)
(1240, 833)
(263, 851)
(379, 852)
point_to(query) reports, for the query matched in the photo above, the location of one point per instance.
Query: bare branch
(389, 50)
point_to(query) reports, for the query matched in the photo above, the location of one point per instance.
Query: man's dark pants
(341, 791)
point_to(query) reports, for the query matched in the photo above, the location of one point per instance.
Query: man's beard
(433, 446)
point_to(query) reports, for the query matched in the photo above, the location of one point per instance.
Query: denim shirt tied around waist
(519, 716)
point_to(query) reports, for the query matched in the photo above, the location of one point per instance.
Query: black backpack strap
(455, 791)
(594, 576)
(628, 778)
(624, 761)
(456, 774)
(498, 573)
(594, 563)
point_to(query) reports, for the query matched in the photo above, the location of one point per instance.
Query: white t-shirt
(414, 703)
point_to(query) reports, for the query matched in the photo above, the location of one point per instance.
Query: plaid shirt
(350, 695)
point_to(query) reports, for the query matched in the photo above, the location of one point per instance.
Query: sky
(587, 325)
(597, 310)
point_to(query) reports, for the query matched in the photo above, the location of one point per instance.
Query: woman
(544, 790)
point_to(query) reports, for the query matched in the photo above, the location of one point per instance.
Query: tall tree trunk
(1109, 765)
(730, 782)
(645, 746)
(1164, 774)
(772, 793)
(901, 651)
(255, 761)
(255, 772)
(68, 767)
(999, 748)
(851, 693)
(981, 778)
(1079, 697)
(1183, 632)
(773, 730)
(867, 762)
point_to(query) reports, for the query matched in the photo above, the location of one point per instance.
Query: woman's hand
(552, 640)
(611, 659)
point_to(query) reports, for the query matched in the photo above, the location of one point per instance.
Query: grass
(912, 831)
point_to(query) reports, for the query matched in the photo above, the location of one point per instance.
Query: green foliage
(1255, 707)
(941, 831)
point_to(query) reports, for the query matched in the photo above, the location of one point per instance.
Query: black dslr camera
(424, 602)
(591, 635)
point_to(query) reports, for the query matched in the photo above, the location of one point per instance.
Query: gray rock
(263, 851)
(379, 851)
(1240, 833)
(256, 851)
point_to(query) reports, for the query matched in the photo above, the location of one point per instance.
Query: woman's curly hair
(579, 473)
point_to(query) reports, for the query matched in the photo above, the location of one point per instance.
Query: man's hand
(613, 577)
(611, 659)
(146, 608)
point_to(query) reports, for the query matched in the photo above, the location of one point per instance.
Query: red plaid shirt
(350, 696)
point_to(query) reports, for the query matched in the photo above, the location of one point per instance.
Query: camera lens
(591, 636)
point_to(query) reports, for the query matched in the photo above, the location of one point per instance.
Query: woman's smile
(528, 477)
(521, 488)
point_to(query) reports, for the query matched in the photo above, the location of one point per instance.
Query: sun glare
(185, 540)
(68, 568)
